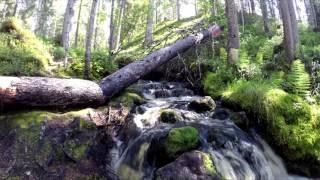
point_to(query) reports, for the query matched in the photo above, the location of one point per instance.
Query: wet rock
(162, 93)
(170, 116)
(221, 114)
(181, 92)
(193, 165)
(180, 140)
(240, 119)
(201, 105)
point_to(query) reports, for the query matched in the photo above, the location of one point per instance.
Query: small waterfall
(235, 153)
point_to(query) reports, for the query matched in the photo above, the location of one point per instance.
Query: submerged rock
(170, 116)
(221, 114)
(180, 140)
(193, 165)
(201, 105)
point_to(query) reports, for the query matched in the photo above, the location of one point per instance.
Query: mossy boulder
(128, 99)
(190, 165)
(180, 140)
(170, 116)
(202, 105)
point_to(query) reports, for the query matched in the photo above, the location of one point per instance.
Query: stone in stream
(193, 165)
(170, 116)
(180, 140)
(202, 105)
(221, 114)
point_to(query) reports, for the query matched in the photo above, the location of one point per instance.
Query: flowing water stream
(235, 153)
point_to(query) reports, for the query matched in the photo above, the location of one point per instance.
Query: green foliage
(58, 53)
(100, 65)
(298, 80)
(21, 53)
(181, 139)
(289, 121)
(216, 82)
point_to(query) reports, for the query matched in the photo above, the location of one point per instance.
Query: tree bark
(111, 27)
(149, 30)
(253, 6)
(67, 24)
(78, 25)
(90, 32)
(233, 32)
(122, 8)
(178, 10)
(52, 92)
(290, 38)
(264, 10)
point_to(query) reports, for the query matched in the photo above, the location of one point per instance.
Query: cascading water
(235, 153)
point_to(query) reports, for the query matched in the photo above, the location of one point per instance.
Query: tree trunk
(48, 92)
(242, 14)
(290, 39)
(271, 8)
(178, 10)
(253, 6)
(149, 30)
(122, 8)
(16, 8)
(78, 25)
(264, 10)
(96, 31)
(90, 32)
(233, 32)
(111, 27)
(52, 92)
(67, 24)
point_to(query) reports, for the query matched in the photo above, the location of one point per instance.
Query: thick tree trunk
(233, 32)
(67, 24)
(90, 32)
(52, 92)
(289, 29)
(48, 92)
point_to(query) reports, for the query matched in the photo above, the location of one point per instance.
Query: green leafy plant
(298, 80)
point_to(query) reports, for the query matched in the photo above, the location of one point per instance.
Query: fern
(299, 80)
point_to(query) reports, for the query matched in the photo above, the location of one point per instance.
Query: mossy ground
(21, 52)
(290, 122)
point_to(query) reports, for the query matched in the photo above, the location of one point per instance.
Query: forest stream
(174, 134)
(236, 154)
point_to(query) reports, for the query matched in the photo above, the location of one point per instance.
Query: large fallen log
(53, 92)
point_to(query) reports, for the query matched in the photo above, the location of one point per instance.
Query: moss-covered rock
(201, 105)
(180, 140)
(190, 165)
(128, 99)
(170, 116)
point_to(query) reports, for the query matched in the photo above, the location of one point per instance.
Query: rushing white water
(236, 154)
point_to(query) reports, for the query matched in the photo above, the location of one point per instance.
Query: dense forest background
(265, 59)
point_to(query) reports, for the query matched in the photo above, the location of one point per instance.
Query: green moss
(21, 53)
(170, 116)
(181, 139)
(208, 164)
(75, 150)
(128, 99)
(289, 121)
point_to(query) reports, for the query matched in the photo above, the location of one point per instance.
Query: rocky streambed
(170, 133)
